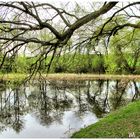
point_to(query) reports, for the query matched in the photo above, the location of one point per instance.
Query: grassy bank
(67, 76)
(120, 124)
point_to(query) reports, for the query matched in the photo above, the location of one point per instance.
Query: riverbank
(122, 123)
(68, 76)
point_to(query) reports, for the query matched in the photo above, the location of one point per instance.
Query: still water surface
(56, 109)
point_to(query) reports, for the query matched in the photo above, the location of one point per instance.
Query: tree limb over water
(46, 29)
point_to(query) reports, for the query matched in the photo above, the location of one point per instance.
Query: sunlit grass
(122, 123)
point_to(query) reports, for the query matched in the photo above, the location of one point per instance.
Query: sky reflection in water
(56, 109)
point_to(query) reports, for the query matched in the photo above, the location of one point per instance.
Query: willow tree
(21, 24)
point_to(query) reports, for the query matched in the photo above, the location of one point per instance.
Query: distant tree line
(108, 30)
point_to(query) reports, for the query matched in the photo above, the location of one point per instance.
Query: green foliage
(111, 66)
(123, 57)
(79, 63)
(21, 65)
(125, 53)
(98, 64)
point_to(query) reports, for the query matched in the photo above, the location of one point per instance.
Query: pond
(56, 109)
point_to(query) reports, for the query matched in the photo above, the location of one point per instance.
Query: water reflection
(60, 106)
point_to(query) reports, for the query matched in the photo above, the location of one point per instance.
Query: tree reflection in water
(49, 100)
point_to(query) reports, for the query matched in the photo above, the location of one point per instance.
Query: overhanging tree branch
(131, 4)
(32, 20)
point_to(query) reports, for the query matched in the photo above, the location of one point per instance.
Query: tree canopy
(51, 29)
